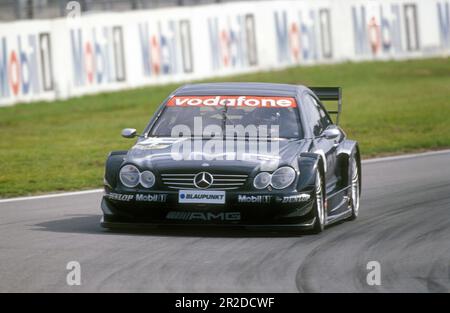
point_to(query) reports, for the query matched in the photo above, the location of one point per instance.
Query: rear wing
(330, 94)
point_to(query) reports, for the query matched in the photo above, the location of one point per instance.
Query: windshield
(206, 116)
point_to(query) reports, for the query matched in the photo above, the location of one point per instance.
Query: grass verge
(389, 107)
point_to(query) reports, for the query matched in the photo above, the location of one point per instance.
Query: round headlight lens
(147, 179)
(282, 177)
(262, 180)
(129, 176)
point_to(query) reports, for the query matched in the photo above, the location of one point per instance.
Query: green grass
(389, 107)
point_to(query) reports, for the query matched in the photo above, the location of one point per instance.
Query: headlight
(262, 180)
(282, 177)
(129, 176)
(147, 179)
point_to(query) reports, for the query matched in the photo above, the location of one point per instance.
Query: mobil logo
(25, 65)
(303, 35)
(97, 55)
(165, 47)
(383, 28)
(232, 41)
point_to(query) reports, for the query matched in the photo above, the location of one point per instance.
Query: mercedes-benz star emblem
(203, 180)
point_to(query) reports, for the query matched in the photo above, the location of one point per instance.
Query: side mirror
(129, 133)
(331, 133)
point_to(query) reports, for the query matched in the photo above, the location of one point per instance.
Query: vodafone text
(234, 101)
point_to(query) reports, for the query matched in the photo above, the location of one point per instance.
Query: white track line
(84, 192)
(405, 156)
(54, 195)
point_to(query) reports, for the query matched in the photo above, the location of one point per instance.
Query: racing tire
(355, 190)
(319, 206)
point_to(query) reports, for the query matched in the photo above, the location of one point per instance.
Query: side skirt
(333, 218)
(338, 217)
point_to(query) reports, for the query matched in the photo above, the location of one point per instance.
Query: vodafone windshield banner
(233, 101)
(73, 56)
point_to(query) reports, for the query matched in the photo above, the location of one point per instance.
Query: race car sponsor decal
(203, 216)
(233, 101)
(155, 197)
(151, 197)
(155, 143)
(201, 196)
(254, 199)
(294, 199)
(150, 146)
(119, 196)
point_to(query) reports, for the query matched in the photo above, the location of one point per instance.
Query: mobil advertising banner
(26, 62)
(61, 58)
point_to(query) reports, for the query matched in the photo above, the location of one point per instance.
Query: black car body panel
(244, 205)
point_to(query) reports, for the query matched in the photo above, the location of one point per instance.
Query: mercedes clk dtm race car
(237, 154)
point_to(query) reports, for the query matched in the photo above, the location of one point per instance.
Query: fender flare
(348, 150)
(112, 167)
(308, 164)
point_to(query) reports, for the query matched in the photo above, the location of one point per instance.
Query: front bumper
(246, 209)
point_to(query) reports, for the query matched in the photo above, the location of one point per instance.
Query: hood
(182, 155)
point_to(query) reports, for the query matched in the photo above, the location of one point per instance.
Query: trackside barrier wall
(62, 58)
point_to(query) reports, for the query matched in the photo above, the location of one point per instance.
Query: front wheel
(319, 206)
(355, 191)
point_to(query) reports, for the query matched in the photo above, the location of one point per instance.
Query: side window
(313, 114)
(325, 120)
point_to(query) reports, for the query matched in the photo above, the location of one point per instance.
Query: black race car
(237, 154)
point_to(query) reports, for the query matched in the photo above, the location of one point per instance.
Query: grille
(220, 181)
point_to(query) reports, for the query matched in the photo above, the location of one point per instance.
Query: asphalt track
(404, 225)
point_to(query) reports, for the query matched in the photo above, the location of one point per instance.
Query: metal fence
(40, 9)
